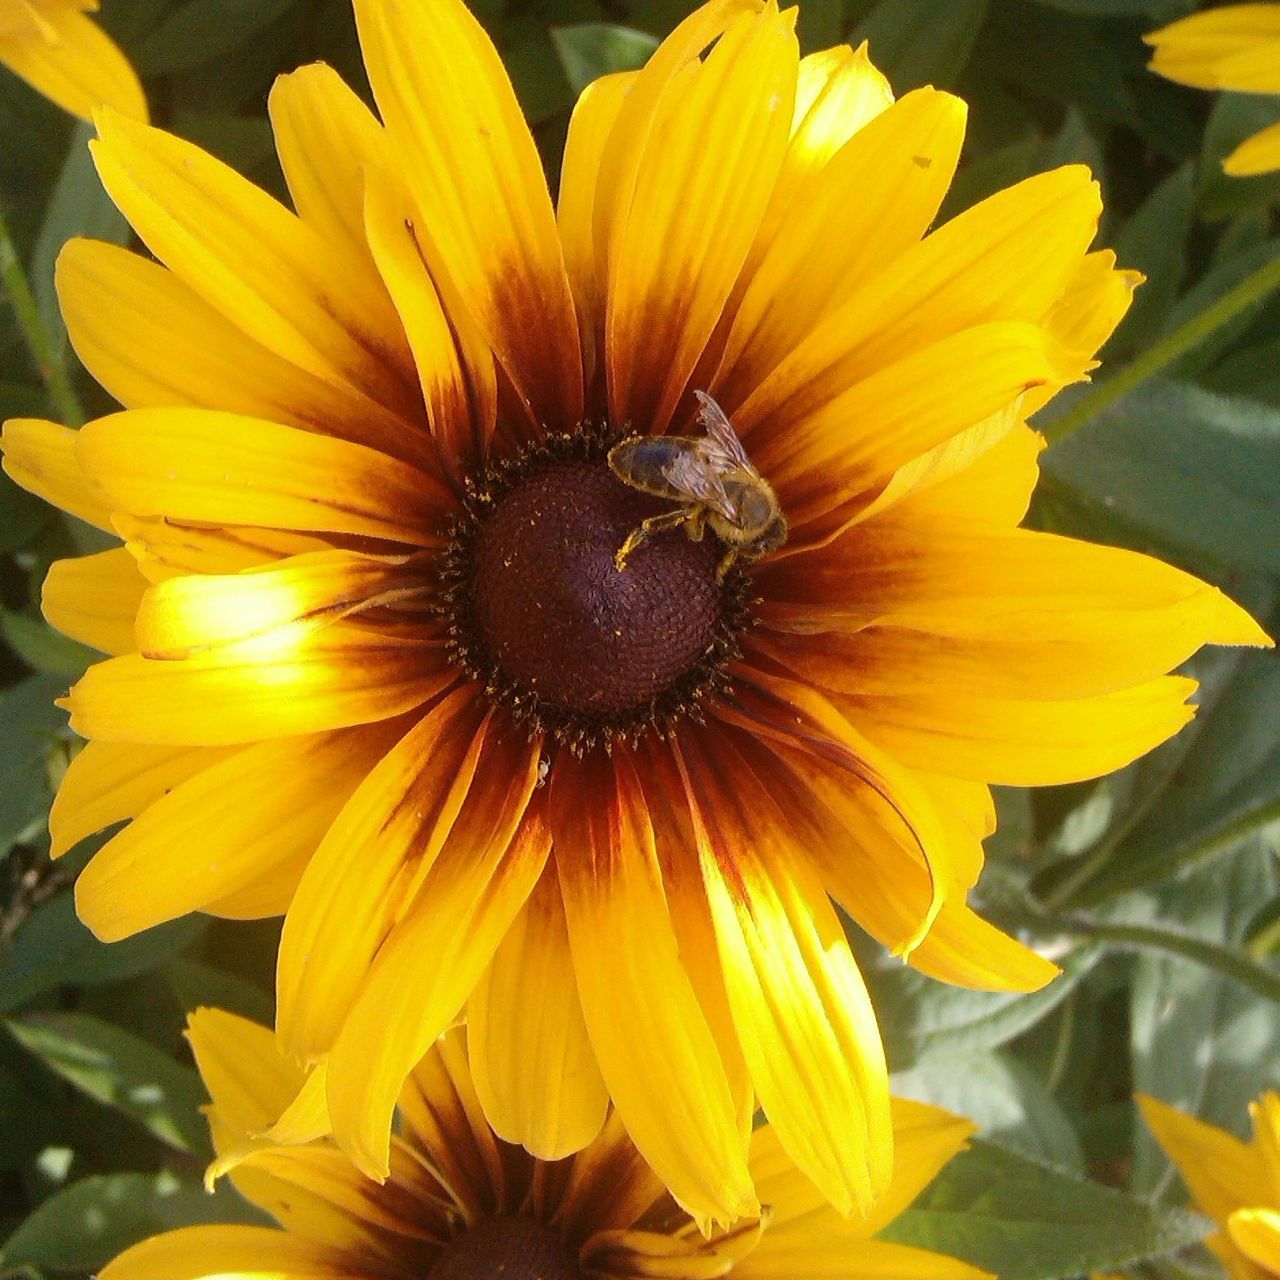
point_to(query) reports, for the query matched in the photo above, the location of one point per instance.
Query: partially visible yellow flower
(65, 55)
(461, 1203)
(1235, 1183)
(1235, 47)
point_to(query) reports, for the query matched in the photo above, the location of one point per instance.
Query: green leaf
(52, 949)
(121, 1071)
(918, 42)
(1025, 1220)
(596, 49)
(195, 984)
(1235, 117)
(821, 24)
(83, 1227)
(79, 206)
(43, 648)
(203, 30)
(1175, 1003)
(919, 1015)
(1004, 1098)
(31, 724)
(1193, 468)
(22, 514)
(1154, 241)
(1148, 9)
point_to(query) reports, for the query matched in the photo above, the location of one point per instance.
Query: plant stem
(48, 359)
(1137, 937)
(1252, 289)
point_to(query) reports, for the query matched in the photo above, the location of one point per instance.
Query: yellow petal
(1015, 614)
(165, 549)
(41, 456)
(680, 1257)
(801, 1010)
(261, 809)
(1025, 743)
(453, 368)
(110, 781)
(882, 188)
(1006, 259)
(963, 949)
(434, 958)
(987, 473)
(307, 299)
(820, 463)
(183, 616)
(75, 64)
(359, 881)
(655, 1049)
(838, 93)
(484, 214)
(328, 141)
(925, 1138)
(1236, 46)
(702, 184)
(248, 1253)
(590, 129)
(839, 782)
(1221, 1172)
(1257, 154)
(296, 681)
(532, 1063)
(1256, 1233)
(609, 1185)
(248, 1079)
(446, 1125)
(824, 1255)
(198, 464)
(153, 342)
(94, 599)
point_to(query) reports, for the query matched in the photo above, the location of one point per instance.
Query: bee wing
(720, 432)
(690, 474)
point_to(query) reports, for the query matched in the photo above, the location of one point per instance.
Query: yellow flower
(1235, 1183)
(67, 57)
(1234, 47)
(378, 667)
(462, 1204)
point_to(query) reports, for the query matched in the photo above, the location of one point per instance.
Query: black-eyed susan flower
(62, 53)
(1235, 1183)
(381, 665)
(462, 1204)
(1235, 47)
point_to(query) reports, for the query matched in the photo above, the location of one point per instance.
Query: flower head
(1234, 47)
(62, 53)
(462, 1204)
(383, 665)
(1235, 1183)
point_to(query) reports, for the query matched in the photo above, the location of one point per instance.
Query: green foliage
(1156, 889)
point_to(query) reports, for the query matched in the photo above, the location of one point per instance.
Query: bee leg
(697, 525)
(726, 563)
(645, 530)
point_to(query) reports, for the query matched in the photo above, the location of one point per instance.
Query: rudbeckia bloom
(62, 53)
(378, 666)
(462, 1204)
(1234, 47)
(1235, 1183)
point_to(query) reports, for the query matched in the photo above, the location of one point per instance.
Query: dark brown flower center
(511, 1248)
(544, 617)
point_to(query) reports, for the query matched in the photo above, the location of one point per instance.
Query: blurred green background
(1157, 887)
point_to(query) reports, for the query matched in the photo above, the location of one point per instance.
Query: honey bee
(714, 482)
